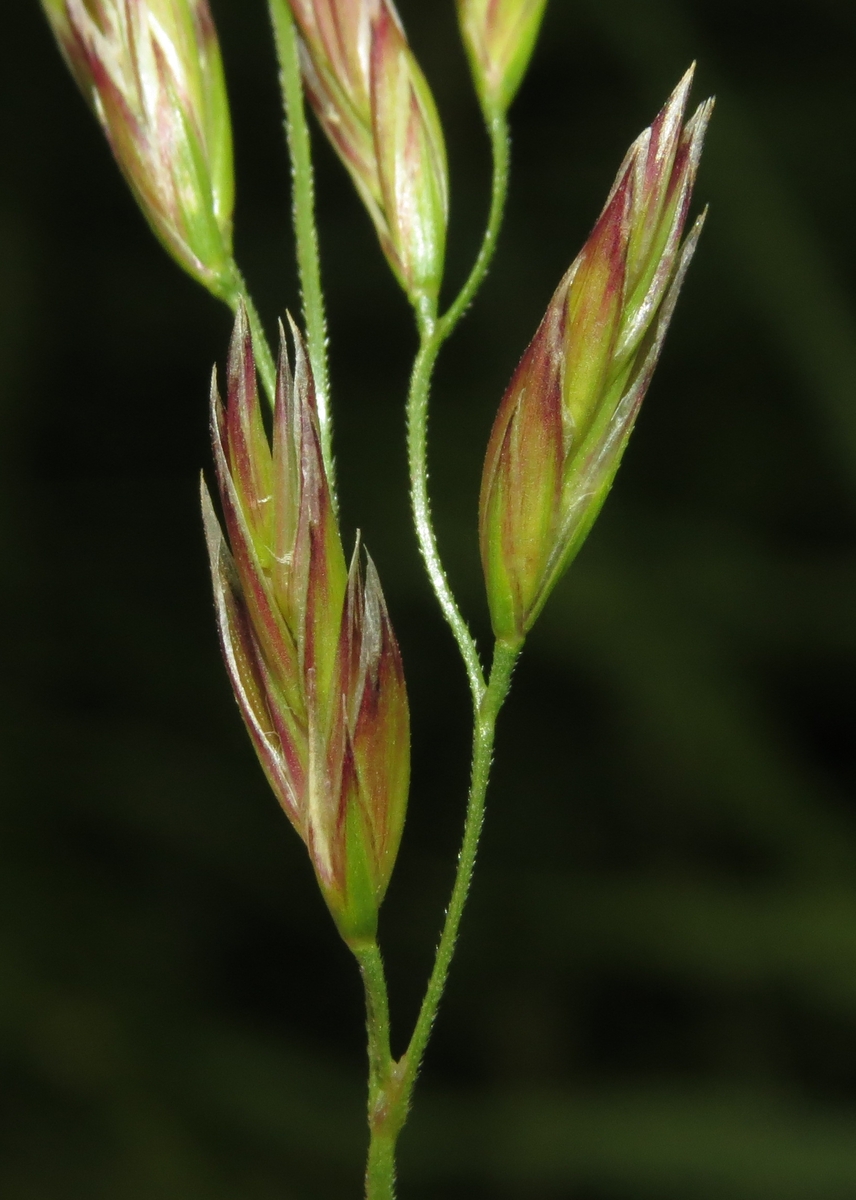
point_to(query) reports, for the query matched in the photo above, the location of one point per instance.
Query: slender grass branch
(500, 149)
(391, 1083)
(433, 332)
(380, 1168)
(385, 1108)
(487, 697)
(377, 1011)
(305, 230)
(417, 450)
(484, 734)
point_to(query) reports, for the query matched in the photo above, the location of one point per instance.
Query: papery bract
(309, 647)
(566, 417)
(377, 110)
(152, 73)
(369, 749)
(499, 36)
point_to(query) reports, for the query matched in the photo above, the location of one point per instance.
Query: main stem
(305, 232)
(484, 734)
(384, 1078)
(417, 452)
(433, 332)
(497, 127)
(391, 1083)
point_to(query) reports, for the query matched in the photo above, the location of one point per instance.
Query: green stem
(387, 1117)
(504, 658)
(497, 127)
(433, 332)
(417, 452)
(377, 1010)
(380, 1168)
(391, 1083)
(385, 1111)
(305, 231)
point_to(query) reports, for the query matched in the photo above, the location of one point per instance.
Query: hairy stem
(484, 734)
(500, 149)
(391, 1083)
(385, 1111)
(377, 1011)
(305, 231)
(380, 1168)
(417, 451)
(433, 332)
(487, 697)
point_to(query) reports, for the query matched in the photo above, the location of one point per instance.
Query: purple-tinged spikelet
(499, 36)
(377, 110)
(151, 72)
(308, 645)
(566, 417)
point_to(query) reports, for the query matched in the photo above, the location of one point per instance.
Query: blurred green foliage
(655, 995)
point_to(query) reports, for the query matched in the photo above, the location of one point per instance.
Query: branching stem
(497, 126)
(484, 734)
(386, 1114)
(303, 205)
(390, 1082)
(433, 332)
(417, 450)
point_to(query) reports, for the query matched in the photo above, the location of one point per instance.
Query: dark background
(655, 993)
